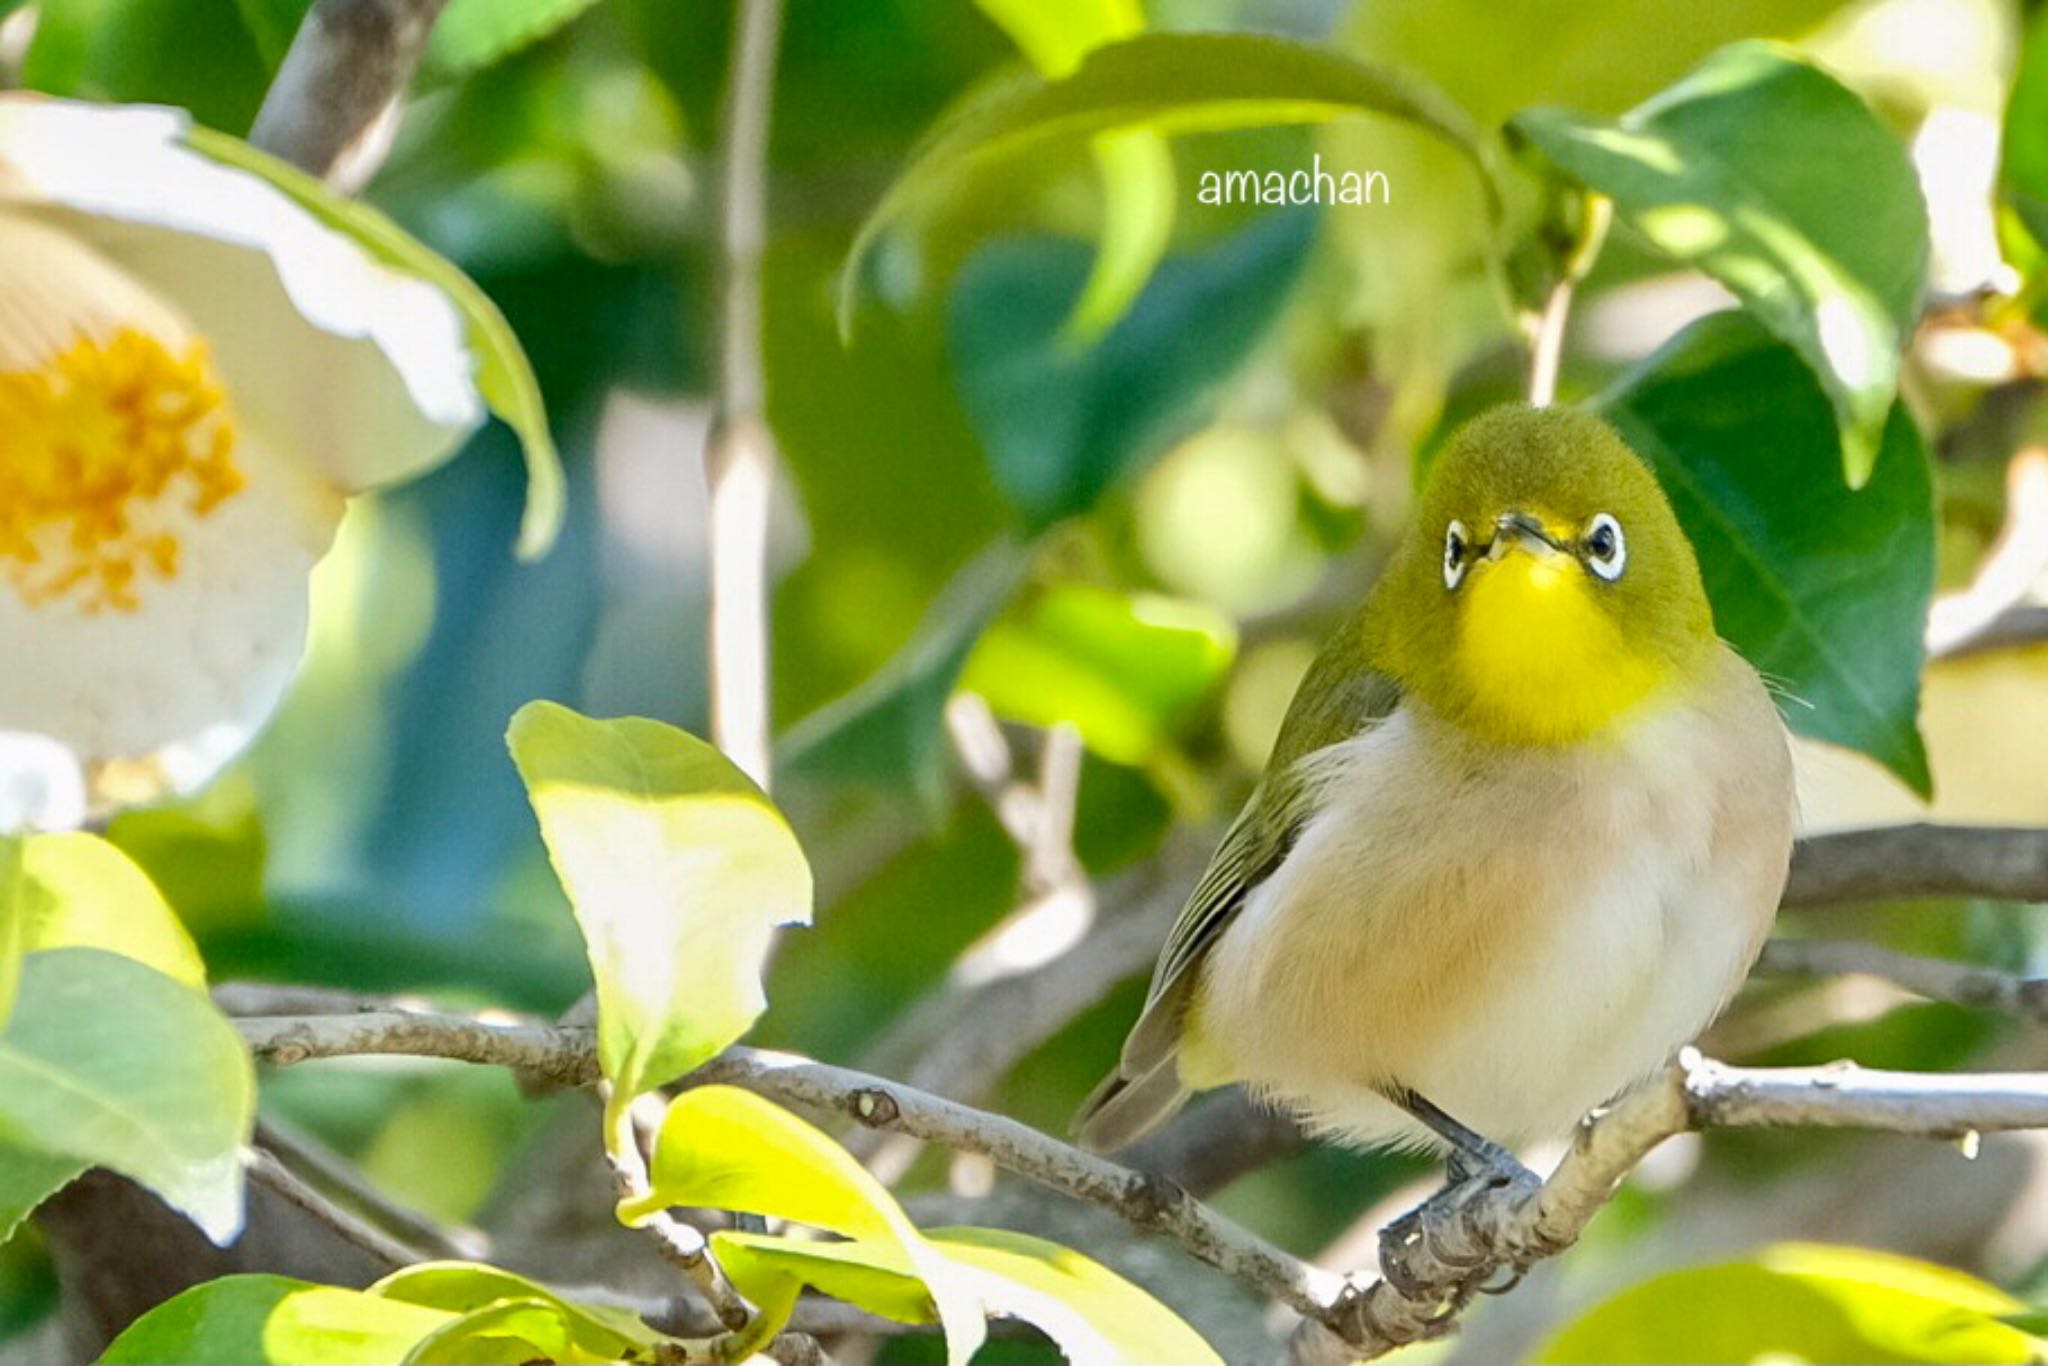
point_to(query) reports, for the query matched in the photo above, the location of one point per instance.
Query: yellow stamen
(105, 449)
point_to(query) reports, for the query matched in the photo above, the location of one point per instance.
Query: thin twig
(333, 107)
(739, 455)
(390, 1252)
(1963, 984)
(322, 1166)
(1546, 345)
(682, 1245)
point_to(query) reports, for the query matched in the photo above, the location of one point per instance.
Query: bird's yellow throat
(1544, 663)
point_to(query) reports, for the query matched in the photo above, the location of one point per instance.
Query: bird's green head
(1545, 590)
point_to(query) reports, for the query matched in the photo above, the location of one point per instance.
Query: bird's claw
(1435, 1252)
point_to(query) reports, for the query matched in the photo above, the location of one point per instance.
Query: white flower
(194, 373)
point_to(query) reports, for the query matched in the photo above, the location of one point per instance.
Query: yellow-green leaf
(274, 1319)
(1801, 1302)
(504, 376)
(13, 921)
(468, 1287)
(679, 870)
(1125, 671)
(1094, 1315)
(724, 1148)
(82, 892)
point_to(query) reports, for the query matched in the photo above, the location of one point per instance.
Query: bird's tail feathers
(1125, 1108)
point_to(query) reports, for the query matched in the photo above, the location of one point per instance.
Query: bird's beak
(1520, 530)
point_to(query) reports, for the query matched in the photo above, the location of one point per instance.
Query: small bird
(1521, 836)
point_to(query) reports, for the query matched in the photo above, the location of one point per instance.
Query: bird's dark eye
(1606, 549)
(1454, 554)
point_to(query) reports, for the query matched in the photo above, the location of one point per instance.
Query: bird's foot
(1437, 1249)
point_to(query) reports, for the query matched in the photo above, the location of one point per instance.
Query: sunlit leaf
(507, 1333)
(82, 892)
(504, 376)
(889, 731)
(679, 870)
(466, 1287)
(1125, 671)
(1776, 180)
(1091, 1313)
(2024, 147)
(1799, 1302)
(112, 1062)
(724, 1148)
(475, 33)
(1823, 588)
(1060, 425)
(274, 1319)
(14, 911)
(1168, 82)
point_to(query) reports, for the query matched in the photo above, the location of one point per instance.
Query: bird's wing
(1345, 701)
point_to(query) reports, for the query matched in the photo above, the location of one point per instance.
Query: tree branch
(1451, 1255)
(740, 456)
(1900, 862)
(333, 107)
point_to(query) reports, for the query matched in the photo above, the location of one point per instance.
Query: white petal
(41, 785)
(153, 701)
(359, 368)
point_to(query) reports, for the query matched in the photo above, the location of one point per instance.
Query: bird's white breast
(1517, 934)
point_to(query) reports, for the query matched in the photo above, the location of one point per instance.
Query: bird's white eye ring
(1455, 546)
(1606, 547)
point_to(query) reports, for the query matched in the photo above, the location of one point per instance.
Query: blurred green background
(1203, 492)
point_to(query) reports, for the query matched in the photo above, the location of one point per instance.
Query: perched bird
(1521, 836)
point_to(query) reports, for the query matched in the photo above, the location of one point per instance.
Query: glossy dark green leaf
(1772, 177)
(1166, 81)
(1062, 424)
(1800, 1302)
(1822, 587)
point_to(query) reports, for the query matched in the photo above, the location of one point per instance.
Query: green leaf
(508, 1333)
(1135, 167)
(472, 34)
(27, 1178)
(82, 892)
(724, 1148)
(504, 376)
(2023, 168)
(113, 1063)
(468, 1287)
(267, 1319)
(678, 868)
(1798, 1302)
(195, 54)
(1060, 425)
(1823, 588)
(1773, 178)
(889, 731)
(1126, 671)
(1161, 81)
(1090, 1312)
